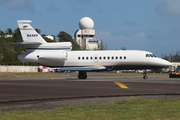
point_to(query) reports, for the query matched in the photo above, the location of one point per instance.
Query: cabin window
(116, 57)
(95, 57)
(112, 57)
(86, 58)
(91, 58)
(79, 58)
(100, 58)
(108, 57)
(120, 57)
(104, 57)
(83, 58)
(124, 57)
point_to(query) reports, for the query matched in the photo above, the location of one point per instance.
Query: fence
(4, 68)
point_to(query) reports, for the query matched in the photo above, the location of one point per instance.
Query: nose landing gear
(145, 75)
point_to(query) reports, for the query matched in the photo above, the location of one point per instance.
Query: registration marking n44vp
(121, 85)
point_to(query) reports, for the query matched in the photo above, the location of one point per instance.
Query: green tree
(43, 35)
(123, 48)
(101, 46)
(38, 31)
(9, 31)
(17, 34)
(165, 57)
(65, 37)
(54, 37)
(2, 33)
(172, 57)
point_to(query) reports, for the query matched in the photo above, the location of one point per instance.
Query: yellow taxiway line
(121, 85)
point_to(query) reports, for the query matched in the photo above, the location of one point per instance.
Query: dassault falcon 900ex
(59, 55)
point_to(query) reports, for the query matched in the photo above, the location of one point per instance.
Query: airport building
(50, 37)
(85, 36)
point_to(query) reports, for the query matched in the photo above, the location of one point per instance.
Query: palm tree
(9, 31)
(2, 33)
(38, 31)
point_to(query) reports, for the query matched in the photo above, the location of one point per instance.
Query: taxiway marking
(121, 85)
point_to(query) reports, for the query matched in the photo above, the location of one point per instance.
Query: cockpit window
(150, 55)
(154, 55)
(147, 55)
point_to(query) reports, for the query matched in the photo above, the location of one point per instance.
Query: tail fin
(28, 33)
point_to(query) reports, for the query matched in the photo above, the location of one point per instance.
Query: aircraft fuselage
(111, 59)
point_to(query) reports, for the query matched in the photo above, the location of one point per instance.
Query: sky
(150, 25)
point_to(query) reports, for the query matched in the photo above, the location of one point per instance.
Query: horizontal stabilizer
(87, 68)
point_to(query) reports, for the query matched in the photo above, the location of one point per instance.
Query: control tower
(85, 36)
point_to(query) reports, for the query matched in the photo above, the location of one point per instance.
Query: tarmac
(97, 85)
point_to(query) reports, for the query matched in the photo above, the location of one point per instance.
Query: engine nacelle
(45, 58)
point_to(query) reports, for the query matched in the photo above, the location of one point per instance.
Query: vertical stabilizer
(28, 33)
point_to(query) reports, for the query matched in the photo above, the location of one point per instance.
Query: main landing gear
(82, 75)
(145, 75)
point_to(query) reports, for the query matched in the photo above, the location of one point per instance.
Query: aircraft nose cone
(166, 63)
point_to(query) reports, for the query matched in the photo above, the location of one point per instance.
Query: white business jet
(60, 55)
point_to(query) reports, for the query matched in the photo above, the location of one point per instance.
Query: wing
(87, 68)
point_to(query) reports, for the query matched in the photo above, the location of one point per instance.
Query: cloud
(168, 7)
(24, 5)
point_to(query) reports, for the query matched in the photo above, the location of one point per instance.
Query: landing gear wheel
(82, 75)
(145, 77)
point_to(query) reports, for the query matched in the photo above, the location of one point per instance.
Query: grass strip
(133, 109)
(24, 75)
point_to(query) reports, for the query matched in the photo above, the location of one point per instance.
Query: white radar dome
(86, 23)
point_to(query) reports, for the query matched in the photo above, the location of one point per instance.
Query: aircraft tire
(145, 77)
(82, 75)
